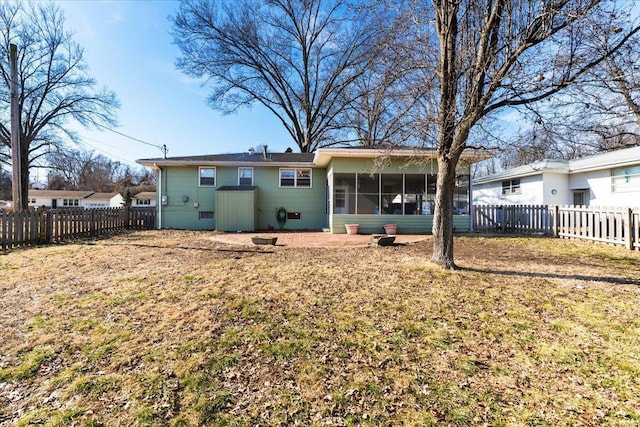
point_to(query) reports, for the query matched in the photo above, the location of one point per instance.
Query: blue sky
(128, 48)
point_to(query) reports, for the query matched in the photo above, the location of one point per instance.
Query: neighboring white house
(73, 199)
(607, 179)
(144, 199)
(103, 200)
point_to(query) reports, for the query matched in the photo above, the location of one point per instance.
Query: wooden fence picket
(618, 226)
(33, 227)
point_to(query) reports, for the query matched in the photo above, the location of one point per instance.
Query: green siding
(310, 202)
(343, 165)
(179, 181)
(407, 224)
(183, 181)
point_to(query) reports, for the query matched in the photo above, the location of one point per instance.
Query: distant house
(103, 200)
(306, 191)
(608, 179)
(144, 199)
(73, 199)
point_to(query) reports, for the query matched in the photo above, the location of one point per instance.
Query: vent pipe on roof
(252, 151)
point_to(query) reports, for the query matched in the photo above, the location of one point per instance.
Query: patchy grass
(143, 329)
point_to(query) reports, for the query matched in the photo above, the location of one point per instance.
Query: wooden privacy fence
(618, 226)
(33, 227)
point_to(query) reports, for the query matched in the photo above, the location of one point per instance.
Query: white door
(341, 199)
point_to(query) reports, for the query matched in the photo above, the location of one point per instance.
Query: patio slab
(311, 238)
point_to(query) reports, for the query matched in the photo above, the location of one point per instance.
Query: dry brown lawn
(172, 328)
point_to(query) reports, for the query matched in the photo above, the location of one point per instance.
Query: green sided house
(306, 191)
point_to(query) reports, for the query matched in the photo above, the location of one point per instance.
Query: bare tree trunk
(443, 214)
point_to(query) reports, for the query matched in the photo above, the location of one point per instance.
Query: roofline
(156, 163)
(596, 162)
(321, 158)
(537, 168)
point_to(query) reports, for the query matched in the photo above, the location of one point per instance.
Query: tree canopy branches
(54, 85)
(298, 59)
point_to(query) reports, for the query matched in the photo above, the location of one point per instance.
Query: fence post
(127, 217)
(4, 230)
(629, 230)
(556, 222)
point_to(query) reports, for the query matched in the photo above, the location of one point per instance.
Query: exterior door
(341, 199)
(581, 197)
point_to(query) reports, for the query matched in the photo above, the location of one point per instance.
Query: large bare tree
(491, 55)
(54, 87)
(298, 58)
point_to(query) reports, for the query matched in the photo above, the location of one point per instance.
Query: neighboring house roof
(103, 196)
(60, 194)
(612, 159)
(320, 158)
(537, 168)
(145, 195)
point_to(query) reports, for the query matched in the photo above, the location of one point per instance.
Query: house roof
(104, 196)
(320, 158)
(145, 195)
(612, 159)
(236, 159)
(532, 169)
(61, 194)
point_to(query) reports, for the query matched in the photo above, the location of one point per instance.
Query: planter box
(257, 240)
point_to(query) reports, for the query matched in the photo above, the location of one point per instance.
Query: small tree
(127, 196)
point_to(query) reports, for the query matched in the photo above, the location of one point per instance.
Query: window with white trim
(625, 179)
(70, 202)
(295, 178)
(245, 176)
(511, 186)
(207, 177)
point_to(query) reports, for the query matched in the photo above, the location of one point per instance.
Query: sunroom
(372, 188)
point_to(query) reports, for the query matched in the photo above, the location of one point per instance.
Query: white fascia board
(612, 159)
(537, 168)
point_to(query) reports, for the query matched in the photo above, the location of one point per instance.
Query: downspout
(159, 197)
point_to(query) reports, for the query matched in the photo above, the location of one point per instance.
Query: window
(368, 200)
(300, 178)
(581, 197)
(32, 200)
(207, 177)
(511, 186)
(245, 176)
(625, 179)
(70, 202)
(393, 194)
(146, 202)
(205, 215)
